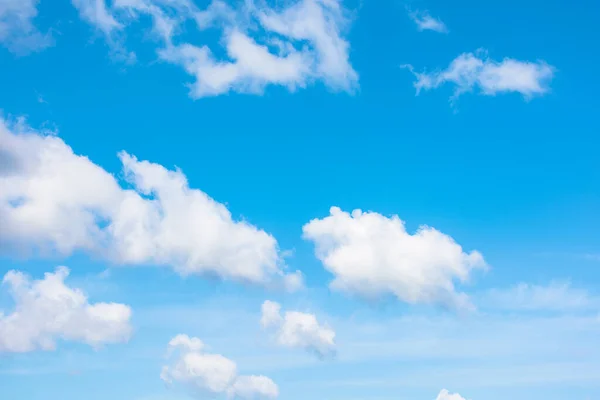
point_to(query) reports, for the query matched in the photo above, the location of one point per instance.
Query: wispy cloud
(425, 22)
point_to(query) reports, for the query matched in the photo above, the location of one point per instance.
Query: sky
(292, 199)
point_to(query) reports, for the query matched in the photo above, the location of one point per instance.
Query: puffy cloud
(297, 329)
(290, 46)
(47, 310)
(53, 200)
(425, 21)
(476, 71)
(371, 255)
(17, 30)
(212, 374)
(556, 296)
(445, 395)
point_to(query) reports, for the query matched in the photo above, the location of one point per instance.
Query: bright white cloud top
(446, 395)
(470, 71)
(373, 255)
(425, 22)
(212, 374)
(47, 310)
(53, 200)
(17, 30)
(297, 329)
(290, 46)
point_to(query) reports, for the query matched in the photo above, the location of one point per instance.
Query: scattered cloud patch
(290, 46)
(557, 296)
(297, 329)
(425, 22)
(469, 72)
(212, 374)
(17, 30)
(372, 255)
(47, 310)
(55, 201)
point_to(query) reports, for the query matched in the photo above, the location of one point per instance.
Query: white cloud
(213, 374)
(297, 329)
(53, 200)
(47, 310)
(292, 46)
(445, 395)
(17, 30)
(372, 255)
(95, 12)
(556, 296)
(425, 21)
(476, 71)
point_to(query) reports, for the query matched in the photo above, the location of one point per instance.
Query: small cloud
(425, 22)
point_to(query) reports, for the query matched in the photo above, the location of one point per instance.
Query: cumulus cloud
(425, 21)
(469, 72)
(372, 255)
(446, 395)
(290, 46)
(53, 200)
(17, 30)
(297, 329)
(556, 296)
(48, 310)
(212, 374)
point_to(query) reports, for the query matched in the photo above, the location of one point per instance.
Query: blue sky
(475, 120)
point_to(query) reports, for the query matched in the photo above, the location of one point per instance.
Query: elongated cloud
(469, 72)
(212, 374)
(53, 200)
(47, 310)
(372, 255)
(290, 46)
(297, 329)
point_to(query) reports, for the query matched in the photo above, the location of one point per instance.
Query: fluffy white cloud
(297, 329)
(291, 46)
(372, 255)
(17, 30)
(47, 310)
(212, 374)
(446, 395)
(556, 296)
(471, 71)
(52, 199)
(425, 21)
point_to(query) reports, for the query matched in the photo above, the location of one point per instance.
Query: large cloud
(297, 329)
(47, 310)
(212, 374)
(290, 46)
(372, 255)
(470, 71)
(52, 199)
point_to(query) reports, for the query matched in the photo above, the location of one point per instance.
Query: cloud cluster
(17, 30)
(471, 71)
(290, 46)
(372, 255)
(297, 329)
(52, 199)
(425, 21)
(212, 374)
(47, 310)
